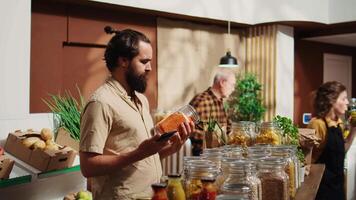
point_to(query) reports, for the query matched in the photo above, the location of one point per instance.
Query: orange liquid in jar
(172, 122)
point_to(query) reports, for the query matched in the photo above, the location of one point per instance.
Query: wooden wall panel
(309, 73)
(62, 67)
(261, 61)
(48, 31)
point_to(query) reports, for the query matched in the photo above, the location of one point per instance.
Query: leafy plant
(245, 103)
(67, 111)
(290, 133)
(211, 127)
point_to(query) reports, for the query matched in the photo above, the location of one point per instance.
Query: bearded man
(119, 151)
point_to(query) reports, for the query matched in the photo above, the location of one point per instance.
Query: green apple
(84, 195)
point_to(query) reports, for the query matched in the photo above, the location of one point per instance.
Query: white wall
(15, 41)
(253, 11)
(285, 71)
(342, 11)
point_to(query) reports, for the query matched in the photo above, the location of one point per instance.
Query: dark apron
(332, 183)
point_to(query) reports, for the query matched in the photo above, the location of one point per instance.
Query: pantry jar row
(247, 133)
(231, 172)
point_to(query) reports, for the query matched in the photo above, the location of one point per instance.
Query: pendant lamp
(228, 60)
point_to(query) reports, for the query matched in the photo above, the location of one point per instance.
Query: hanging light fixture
(228, 60)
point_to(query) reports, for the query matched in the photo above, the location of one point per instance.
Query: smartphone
(166, 136)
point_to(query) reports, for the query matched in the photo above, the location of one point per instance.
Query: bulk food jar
(195, 173)
(269, 133)
(243, 133)
(159, 191)
(287, 153)
(274, 180)
(171, 122)
(240, 175)
(175, 189)
(236, 182)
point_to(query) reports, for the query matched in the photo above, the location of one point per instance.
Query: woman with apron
(329, 105)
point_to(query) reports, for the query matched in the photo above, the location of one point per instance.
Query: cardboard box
(63, 138)
(43, 160)
(6, 165)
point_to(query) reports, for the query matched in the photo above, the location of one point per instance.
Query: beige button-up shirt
(112, 123)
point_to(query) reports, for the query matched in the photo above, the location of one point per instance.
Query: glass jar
(236, 182)
(243, 133)
(172, 121)
(269, 134)
(195, 173)
(255, 182)
(159, 191)
(352, 110)
(256, 153)
(274, 180)
(175, 189)
(286, 154)
(209, 190)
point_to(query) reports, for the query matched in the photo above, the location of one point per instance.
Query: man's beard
(136, 82)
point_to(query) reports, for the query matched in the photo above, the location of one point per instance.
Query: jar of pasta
(243, 133)
(269, 134)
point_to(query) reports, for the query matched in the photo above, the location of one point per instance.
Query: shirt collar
(123, 93)
(210, 91)
(333, 122)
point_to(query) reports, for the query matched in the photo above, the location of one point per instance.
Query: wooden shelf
(310, 186)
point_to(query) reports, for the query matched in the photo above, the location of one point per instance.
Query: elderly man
(209, 104)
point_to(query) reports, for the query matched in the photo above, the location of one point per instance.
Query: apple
(84, 195)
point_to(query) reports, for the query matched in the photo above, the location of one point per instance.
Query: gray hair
(222, 74)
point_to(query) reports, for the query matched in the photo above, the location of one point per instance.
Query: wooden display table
(311, 183)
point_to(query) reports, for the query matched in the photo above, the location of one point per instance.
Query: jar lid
(208, 179)
(174, 175)
(159, 185)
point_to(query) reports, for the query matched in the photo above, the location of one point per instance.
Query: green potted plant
(291, 137)
(245, 104)
(67, 111)
(214, 130)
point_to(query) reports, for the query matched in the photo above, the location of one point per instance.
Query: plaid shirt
(208, 105)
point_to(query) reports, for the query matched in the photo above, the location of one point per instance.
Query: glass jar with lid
(236, 182)
(174, 188)
(258, 152)
(255, 182)
(243, 133)
(269, 133)
(196, 172)
(352, 110)
(274, 180)
(159, 191)
(209, 190)
(171, 122)
(286, 153)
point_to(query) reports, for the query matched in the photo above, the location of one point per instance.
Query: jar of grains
(274, 180)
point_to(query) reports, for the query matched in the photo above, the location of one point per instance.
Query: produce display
(41, 141)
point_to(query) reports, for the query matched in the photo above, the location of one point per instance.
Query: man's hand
(178, 139)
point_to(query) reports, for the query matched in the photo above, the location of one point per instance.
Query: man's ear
(123, 62)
